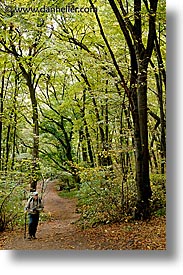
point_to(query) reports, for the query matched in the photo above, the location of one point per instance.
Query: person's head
(35, 194)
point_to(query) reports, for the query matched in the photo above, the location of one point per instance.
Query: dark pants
(33, 223)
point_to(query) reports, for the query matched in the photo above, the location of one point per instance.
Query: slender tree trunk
(83, 146)
(161, 78)
(87, 134)
(108, 158)
(14, 122)
(1, 115)
(35, 150)
(89, 143)
(145, 192)
(7, 147)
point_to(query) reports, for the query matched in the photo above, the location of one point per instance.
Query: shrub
(99, 198)
(158, 199)
(105, 198)
(11, 208)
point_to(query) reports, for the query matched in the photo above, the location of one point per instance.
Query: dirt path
(58, 232)
(61, 232)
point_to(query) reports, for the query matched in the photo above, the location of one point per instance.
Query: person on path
(33, 207)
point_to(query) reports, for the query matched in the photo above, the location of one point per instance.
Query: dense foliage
(82, 92)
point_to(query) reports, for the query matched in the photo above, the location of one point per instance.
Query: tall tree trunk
(89, 143)
(1, 115)
(83, 146)
(144, 190)
(160, 79)
(87, 134)
(143, 56)
(14, 122)
(7, 147)
(35, 150)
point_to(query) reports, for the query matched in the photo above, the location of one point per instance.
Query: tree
(140, 55)
(25, 57)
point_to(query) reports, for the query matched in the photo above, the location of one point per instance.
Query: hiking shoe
(34, 237)
(29, 238)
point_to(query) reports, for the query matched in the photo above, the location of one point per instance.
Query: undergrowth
(105, 199)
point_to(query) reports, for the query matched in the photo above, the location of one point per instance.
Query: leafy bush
(99, 197)
(105, 198)
(11, 208)
(158, 199)
(69, 194)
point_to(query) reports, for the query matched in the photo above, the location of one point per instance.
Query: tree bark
(1, 115)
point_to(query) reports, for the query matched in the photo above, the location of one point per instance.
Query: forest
(83, 101)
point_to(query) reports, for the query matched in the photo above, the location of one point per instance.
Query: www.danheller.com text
(45, 9)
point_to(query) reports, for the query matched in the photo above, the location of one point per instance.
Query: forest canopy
(82, 99)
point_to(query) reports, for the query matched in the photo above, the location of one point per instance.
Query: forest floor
(61, 231)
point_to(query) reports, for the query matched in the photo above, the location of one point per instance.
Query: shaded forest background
(82, 99)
